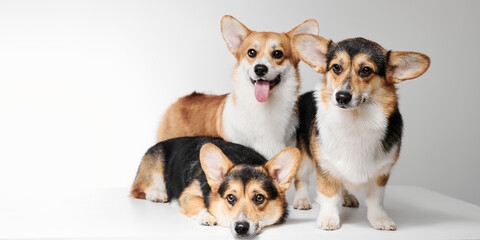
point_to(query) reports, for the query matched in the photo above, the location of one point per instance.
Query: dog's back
(177, 162)
(196, 114)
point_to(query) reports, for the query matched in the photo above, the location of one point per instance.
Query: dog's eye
(365, 72)
(258, 199)
(231, 199)
(277, 54)
(252, 53)
(336, 69)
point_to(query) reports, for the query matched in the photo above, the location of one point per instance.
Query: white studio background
(83, 84)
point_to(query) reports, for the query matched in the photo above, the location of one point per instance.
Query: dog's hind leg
(149, 183)
(192, 204)
(348, 199)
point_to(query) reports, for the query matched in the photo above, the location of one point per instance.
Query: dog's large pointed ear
(406, 65)
(234, 32)
(310, 26)
(283, 167)
(215, 164)
(312, 50)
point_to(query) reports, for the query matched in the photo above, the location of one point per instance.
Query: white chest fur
(267, 127)
(351, 143)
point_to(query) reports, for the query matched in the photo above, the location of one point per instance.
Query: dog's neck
(268, 126)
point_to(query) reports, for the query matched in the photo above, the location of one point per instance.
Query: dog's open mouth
(263, 87)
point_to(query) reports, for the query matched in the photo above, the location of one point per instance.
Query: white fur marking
(157, 192)
(267, 127)
(253, 229)
(205, 218)
(376, 214)
(328, 215)
(351, 143)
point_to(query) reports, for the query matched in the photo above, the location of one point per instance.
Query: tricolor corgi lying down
(218, 182)
(350, 126)
(260, 112)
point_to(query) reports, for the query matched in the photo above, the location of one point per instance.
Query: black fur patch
(394, 131)
(355, 46)
(307, 106)
(182, 166)
(182, 162)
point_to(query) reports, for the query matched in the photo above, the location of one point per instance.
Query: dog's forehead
(267, 39)
(355, 46)
(245, 175)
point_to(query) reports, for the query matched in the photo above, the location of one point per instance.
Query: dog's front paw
(382, 223)
(328, 222)
(205, 218)
(156, 195)
(302, 204)
(349, 200)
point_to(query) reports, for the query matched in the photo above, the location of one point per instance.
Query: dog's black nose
(260, 70)
(343, 97)
(241, 227)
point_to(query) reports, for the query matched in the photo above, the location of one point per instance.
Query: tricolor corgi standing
(350, 126)
(261, 110)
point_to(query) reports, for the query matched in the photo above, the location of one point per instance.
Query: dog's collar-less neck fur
(267, 127)
(357, 145)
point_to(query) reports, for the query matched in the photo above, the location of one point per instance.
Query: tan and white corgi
(350, 126)
(218, 182)
(260, 112)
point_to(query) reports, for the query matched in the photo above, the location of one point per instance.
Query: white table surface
(110, 213)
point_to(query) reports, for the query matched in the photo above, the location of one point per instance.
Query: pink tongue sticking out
(262, 89)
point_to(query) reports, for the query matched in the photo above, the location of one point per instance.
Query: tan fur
(303, 155)
(218, 206)
(319, 44)
(348, 199)
(327, 184)
(273, 167)
(261, 39)
(382, 180)
(314, 149)
(225, 166)
(150, 165)
(325, 94)
(196, 114)
(399, 59)
(395, 158)
(191, 200)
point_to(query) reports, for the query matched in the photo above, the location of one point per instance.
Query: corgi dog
(260, 112)
(350, 125)
(218, 182)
